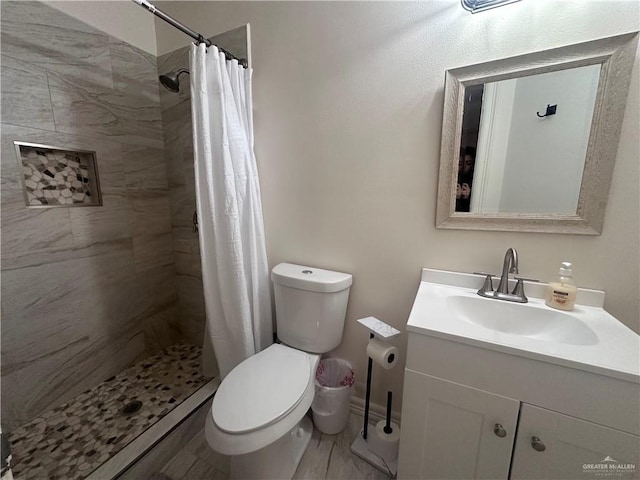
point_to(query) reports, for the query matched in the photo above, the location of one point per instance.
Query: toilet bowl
(258, 413)
(261, 403)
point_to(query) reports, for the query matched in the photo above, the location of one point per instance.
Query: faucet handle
(518, 290)
(488, 284)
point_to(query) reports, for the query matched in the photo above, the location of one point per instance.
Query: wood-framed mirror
(529, 142)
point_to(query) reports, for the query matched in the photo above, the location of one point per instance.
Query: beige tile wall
(85, 291)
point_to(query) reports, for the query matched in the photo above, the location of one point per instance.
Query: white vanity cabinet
(456, 432)
(471, 412)
(553, 445)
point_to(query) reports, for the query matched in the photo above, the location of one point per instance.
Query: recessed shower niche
(55, 177)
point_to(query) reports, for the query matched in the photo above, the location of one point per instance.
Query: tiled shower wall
(178, 144)
(86, 291)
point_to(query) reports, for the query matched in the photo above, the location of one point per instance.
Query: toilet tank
(311, 304)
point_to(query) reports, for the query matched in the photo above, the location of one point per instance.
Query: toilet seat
(250, 441)
(261, 390)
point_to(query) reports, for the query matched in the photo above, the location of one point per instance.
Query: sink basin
(589, 338)
(530, 321)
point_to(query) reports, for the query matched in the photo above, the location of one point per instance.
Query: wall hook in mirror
(551, 110)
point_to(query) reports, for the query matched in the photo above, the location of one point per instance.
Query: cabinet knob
(499, 430)
(537, 444)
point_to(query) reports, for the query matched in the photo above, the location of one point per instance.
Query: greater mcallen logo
(608, 467)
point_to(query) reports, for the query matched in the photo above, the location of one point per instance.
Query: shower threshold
(99, 433)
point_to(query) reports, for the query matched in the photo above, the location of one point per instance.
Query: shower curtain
(235, 273)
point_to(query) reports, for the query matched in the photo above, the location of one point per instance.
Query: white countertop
(616, 353)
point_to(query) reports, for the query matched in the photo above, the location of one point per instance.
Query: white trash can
(334, 385)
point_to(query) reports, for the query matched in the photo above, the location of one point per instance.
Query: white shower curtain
(235, 274)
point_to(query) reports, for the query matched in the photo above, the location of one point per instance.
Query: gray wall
(178, 144)
(85, 291)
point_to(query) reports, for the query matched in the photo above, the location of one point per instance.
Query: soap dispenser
(562, 293)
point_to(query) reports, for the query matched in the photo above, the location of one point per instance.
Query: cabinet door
(448, 431)
(569, 448)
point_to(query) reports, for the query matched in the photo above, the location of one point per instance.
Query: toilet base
(278, 460)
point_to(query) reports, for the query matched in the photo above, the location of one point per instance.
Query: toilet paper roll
(383, 444)
(382, 353)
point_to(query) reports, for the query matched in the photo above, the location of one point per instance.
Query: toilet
(258, 415)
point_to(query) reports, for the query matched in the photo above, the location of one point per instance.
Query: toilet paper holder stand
(384, 331)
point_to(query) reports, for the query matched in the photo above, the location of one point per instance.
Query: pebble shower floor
(73, 439)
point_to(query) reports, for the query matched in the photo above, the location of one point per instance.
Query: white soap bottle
(562, 293)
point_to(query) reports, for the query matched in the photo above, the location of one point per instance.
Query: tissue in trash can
(334, 382)
(334, 373)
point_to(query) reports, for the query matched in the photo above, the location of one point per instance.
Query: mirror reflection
(524, 142)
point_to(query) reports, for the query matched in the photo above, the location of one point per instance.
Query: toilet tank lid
(310, 278)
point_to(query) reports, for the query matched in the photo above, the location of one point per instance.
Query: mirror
(529, 142)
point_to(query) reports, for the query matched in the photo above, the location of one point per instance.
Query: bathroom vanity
(494, 389)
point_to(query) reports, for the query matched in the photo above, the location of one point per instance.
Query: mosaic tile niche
(54, 177)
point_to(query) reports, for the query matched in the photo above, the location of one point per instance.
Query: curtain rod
(195, 35)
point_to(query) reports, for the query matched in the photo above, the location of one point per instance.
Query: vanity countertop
(611, 348)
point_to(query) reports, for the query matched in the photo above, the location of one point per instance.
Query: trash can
(334, 385)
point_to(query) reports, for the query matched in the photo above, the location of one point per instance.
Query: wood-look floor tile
(179, 465)
(345, 465)
(199, 446)
(328, 457)
(318, 454)
(201, 470)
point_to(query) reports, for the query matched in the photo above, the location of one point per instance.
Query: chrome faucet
(509, 265)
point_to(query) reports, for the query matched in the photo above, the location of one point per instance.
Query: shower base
(74, 439)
